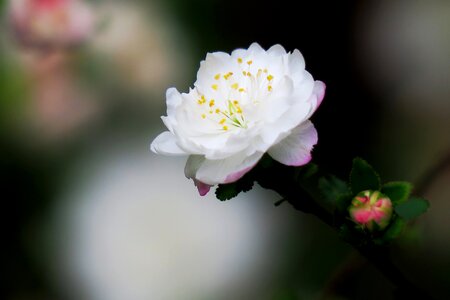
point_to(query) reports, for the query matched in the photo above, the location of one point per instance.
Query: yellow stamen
(217, 110)
(270, 77)
(235, 86)
(222, 121)
(225, 127)
(241, 90)
(235, 102)
(239, 60)
(269, 88)
(249, 62)
(245, 73)
(217, 77)
(211, 103)
(265, 71)
(203, 116)
(226, 76)
(215, 87)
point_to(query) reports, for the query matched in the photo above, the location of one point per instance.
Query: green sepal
(412, 208)
(231, 190)
(363, 177)
(394, 230)
(397, 191)
(391, 232)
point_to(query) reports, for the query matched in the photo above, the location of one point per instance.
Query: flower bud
(371, 210)
(50, 23)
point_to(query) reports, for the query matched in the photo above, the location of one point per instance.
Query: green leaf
(343, 202)
(231, 190)
(332, 188)
(394, 230)
(363, 177)
(412, 208)
(398, 191)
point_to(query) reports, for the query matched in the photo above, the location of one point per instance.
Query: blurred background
(90, 213)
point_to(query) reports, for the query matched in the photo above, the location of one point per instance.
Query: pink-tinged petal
(295, 150)
(165, 143)
(379, 215)
(203, 188)
(226, 170)
(362, 216)
(237, 175)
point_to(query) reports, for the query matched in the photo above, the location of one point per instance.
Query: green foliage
(332, 188)
(412, 208)
(231, 190)
(363, 177)
(394, 229)
(398, 191)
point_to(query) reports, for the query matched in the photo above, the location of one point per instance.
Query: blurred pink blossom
(50, 23)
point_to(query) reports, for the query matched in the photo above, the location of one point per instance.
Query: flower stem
(304, 197)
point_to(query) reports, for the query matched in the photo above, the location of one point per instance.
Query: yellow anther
(269, 88)
(226, 76)
(210, 111)
(214, 87)
(222, 121)
(203, 116)
(241, 90)
(200, 101)
(265, 71)
(217, 110)
(235, 102)
(211, 103)
(217, 77)
(249, 62)
(239, 60)
(244, 72)
(225, 127)
(235, 86)
(249, 74)
(270, 77)
(239, 110)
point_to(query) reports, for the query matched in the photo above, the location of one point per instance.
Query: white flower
(242, 106)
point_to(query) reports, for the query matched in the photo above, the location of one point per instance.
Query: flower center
(232, 93)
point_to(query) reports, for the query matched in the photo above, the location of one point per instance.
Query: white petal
(165, 143)
(295, 150)
(255, 48)
(173, 100)
(226, 170)
(296, 62)
(319, 91)
(276, 50)
(192, 165)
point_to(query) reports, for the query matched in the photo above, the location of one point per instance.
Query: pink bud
(50, 23)
(369, 208)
